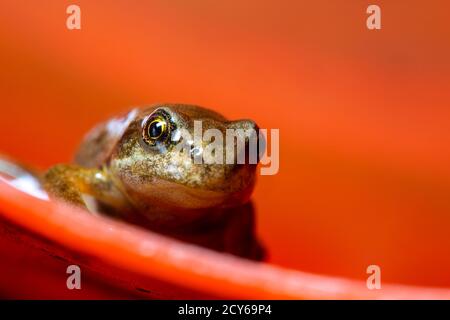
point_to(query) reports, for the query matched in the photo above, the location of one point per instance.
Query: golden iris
(156, 130)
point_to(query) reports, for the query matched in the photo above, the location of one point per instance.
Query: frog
(131, 167)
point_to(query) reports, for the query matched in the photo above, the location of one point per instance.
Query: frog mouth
(172, 196)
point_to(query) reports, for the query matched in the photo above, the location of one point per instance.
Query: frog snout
(251, 151)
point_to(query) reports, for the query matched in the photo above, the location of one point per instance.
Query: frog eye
(155, 129)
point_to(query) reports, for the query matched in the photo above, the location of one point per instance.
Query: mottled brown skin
(118, 173)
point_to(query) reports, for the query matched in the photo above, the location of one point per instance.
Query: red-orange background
(363, 115)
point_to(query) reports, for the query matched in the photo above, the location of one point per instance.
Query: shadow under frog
(130, 168)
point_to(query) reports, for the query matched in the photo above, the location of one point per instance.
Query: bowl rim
(152, 255)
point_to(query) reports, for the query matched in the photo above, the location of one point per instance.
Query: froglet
(129, 167)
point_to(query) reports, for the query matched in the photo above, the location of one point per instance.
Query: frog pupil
(156, 128)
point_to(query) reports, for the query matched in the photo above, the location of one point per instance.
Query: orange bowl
(40, 239)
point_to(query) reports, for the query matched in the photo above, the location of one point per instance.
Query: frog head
(169, 157)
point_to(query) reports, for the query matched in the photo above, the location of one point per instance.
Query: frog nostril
(254, 146)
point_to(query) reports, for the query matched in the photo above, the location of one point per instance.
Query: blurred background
(364, 116)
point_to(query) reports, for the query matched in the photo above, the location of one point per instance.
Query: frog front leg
(79, 186)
